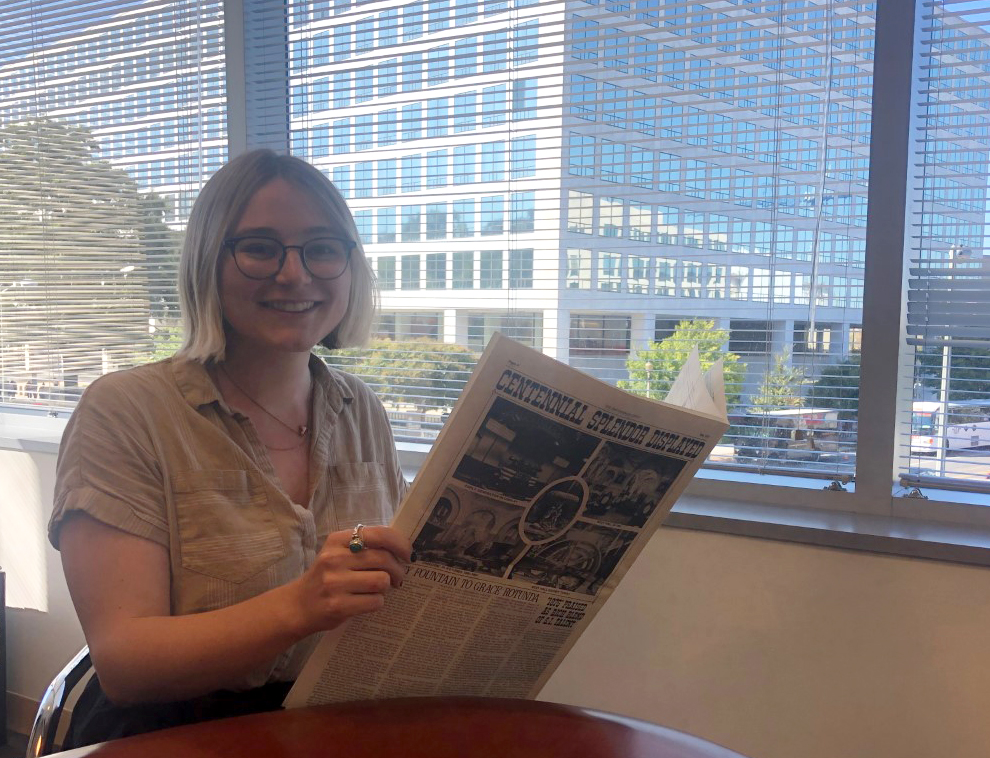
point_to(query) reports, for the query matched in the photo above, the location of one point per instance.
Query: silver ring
(356, 545)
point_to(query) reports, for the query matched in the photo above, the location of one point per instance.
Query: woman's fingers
(376, 537)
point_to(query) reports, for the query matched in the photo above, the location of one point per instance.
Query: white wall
(773, 649)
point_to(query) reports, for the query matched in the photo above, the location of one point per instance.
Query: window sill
(949, 526)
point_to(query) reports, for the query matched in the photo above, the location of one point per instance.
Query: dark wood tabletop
(448, 727)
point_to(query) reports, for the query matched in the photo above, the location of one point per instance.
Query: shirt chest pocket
(226, 525)
(361, 493)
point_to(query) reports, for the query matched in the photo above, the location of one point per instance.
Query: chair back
(49, 716)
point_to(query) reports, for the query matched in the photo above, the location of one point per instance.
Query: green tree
(72, 223)
(166, 339)
(969, 374)
(425, 373)
(837, 386)
(653, 369)
(781, 386)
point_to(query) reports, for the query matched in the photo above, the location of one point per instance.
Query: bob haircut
(213, 219)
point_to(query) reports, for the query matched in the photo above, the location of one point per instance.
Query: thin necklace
(300, 430)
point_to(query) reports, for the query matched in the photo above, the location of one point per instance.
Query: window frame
(874, 512)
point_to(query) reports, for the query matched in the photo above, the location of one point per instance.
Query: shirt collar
(197, 387)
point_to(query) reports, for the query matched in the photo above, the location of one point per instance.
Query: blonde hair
(213, 219)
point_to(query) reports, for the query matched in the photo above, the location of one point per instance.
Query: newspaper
(539, 493)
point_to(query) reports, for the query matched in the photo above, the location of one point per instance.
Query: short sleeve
(107, 466)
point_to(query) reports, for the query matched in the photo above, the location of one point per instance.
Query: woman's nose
(293, 269)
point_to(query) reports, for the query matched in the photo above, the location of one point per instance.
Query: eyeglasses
(263, 257)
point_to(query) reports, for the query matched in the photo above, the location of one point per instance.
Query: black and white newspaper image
(539, 493)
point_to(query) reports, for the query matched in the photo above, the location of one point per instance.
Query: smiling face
(292, 311)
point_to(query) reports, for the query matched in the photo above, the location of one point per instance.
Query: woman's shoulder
(129, 386)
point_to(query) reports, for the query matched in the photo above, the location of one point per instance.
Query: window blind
(111, 116)
(947, 434)
(607, 182)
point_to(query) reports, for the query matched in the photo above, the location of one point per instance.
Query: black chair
(49, 716)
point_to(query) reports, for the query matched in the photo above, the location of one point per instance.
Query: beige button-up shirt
(156, 452)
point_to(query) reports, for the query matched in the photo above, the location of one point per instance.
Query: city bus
(964, 425)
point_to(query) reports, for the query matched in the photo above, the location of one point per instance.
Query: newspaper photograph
(540, 491)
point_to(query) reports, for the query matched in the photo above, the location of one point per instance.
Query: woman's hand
(342, 583)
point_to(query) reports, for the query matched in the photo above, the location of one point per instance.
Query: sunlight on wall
(22, 532)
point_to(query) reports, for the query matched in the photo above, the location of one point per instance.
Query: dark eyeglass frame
(231, 242)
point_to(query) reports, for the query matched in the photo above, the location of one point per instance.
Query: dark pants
(96, 719)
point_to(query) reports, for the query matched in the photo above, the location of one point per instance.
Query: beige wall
(776, 650)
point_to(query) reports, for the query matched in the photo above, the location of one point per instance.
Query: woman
(205, 505)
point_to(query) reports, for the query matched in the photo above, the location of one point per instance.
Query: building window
(493, 161)
(666, 277)
(438, 15)
(491, 269)
(342, 180)
(362, 222)
(412, 173)
(462, 270)
(464, 112)
(436, 271)
(341, 136)
(342, 43)
(412, 22)
(524, 98)
(412, 72)
(466, 57)
(819, 341)
(364, 85)
(494, 52)
(715, 281)
(387, 127)
(691, 279)
(492, 215)
(611, 216)
(640, 221)
(410, 272)
(578, 276)
(437, 67)
(580, 155)
(463, 218)
(436, 117)
(412, 122)
(386, 177)
(638, 275)
(411, 223)
(521, 269)
(523, 151)
(385, 268)
(386, 224)
(363, 135)
(436, 221)
(527, 42)
(522, 212)
(610, 272)
(600, 335)
(746, 336)
(580, 212)
(436, 168)
(613, 161)
(388, 77)
(584, 97)
(493, 105)
(363, 179)
(526, 328)
(464, 164)
(342, 89)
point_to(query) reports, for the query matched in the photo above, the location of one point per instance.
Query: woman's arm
(119, 585)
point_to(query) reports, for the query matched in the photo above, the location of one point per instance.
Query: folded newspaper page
(540, 491)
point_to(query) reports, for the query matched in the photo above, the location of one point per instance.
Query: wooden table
(416, 728)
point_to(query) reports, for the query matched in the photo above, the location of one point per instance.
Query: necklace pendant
(302, 430)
